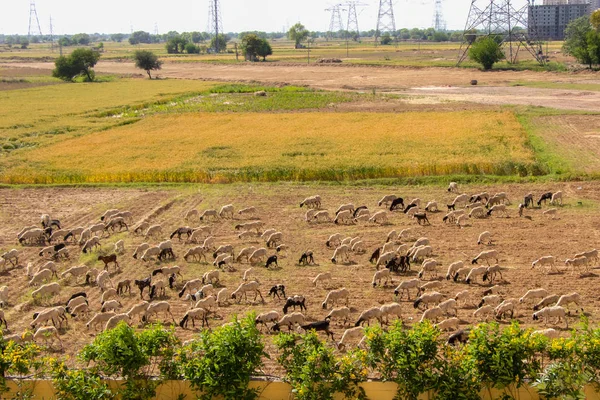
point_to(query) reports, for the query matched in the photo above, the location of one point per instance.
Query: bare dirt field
(519, 241)
(443, 83)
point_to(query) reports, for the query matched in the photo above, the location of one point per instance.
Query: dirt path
(451, 83)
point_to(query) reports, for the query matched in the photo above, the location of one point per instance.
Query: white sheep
(110, 305)
(211, 277)
(498, 208)
(379, 275)
(312, 202)
(3, 296)
(431, 206)
(222, 297)
(339, 313)
(248, 211)
(432, 314)
(103, 280)
(33, 236)
(429, 265)
(193, 213)
(551, 213)
(428, 298)
(45, 333)
(99, 318)
(407, 285)
(81, 309)
(140, 250)
(90, 244)
(533, 294)
(490, 300)
(345, 207)
(258, 256)
(11, 256)
(335, 296)
(556, 198)
(429, 286)
(380, 217)
(422, 252)
(344, 217)
(324, 276)
(544, 261)
(210, 213)
(368, 315)
(453, 187)
(108, 294)
(550, 333)
(386, 200)
(197, 252)
(463, 296)
(199, 234)
(290, 320)
(390, 309)
(226, 210)
(567, 299)
(41, 276)
(334, 240)
(547, 312)
(462, 221)
(350, 334)
(114, 320)
(341, 253)
(485, 238)
(448, 306)
(455, 266)
(546, 301)
(156, 308)
(477, 212)
(577, 262)
(274, 239)
(263, 318)
(486, 255)
(483, 312)
(74, 302)
(448, 324)
(245, 287)
(153, 231)
(138, 309)
(384, 258)
(207, 303)
(503, 308)
(475, 273)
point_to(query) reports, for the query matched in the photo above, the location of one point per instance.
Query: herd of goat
(205, 294)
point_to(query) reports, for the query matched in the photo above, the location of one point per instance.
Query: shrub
(78, 384)
(486, 51)
(147, 60)
(79, 62)
(221, 362)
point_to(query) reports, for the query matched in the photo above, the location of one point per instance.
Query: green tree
(250, 46)
(196, 37)
(24, 42)
(595, 19)
(81, 38)
(404, 34)
(593, 43)
(219, 44)
(64, 41)
(176, 44)
(386, 39)
(576, 40)
(79, 62)
(298, 33)
(191, 48)
(117, 37)
(439, 37)
(147, 60)
(140, 37)
(486, 51)
(264, 49)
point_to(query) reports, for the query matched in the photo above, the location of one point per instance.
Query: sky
(110, 16)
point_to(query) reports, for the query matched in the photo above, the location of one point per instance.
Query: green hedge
(222, 361)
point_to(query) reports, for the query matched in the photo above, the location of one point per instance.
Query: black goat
(318, 326)
(275, 290)
(271, 260)
(398, 202)
(142, 284)
(545, 197)
(375, 255)
(306, 258)
(460, 336)
(294, 302)
(408, 207)
(358, 209)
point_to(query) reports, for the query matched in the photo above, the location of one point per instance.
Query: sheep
(75, 301)
(192, 315)
(307, 258)
(99, 318)
(226, 210)
(493, 290)
(289, 320)
(198, 251)
(346, 241)
(11, 256)
(150, 252)
(90, 244)
(389, 246)
(551, 212)
(448, 324)
(102, 280)
(210, 213)
(474, 273)
(191, 214)
(450, 217)
(548, 312)
(343, 217)
(576, 262)
(379, 275)
(429, 286)
(153, 231)
(263, 318)
(534, 294)
(546, 301)
(462, 198)
(334, 296)
(390, 309)
(431, 206)
(485, 238)
(206, 303)
(110, 305)
(138, 309)
(487, 256)
(385, 258)
(484, 312)
(312, 202)
(432, 314)
(155, 308)
(211, 277)
(557, 197)
(339, 313)
(257, 225)
(567, 299)
(309, 216)
(544, 261)
(503, 308)
(407, 285)
(258, 256)
(324, 276)
(462, 221)
(297, 300)
(385, 200)
(40, 277)
(449, 305)
(249, 211)
(158, 286)
(81, 309)
(198, 234)
(334, 240)
(245, 287)
(422, 252)
(464, 271)
(220, 258)
(51, 266)
(3, 296)
(107, 294)
(477, 212)
(550, 333)
(490, 300)
(498, 208)
(271, 260)
(455, 266)
(140, 250)
(33, 236)
(463, 295)
(190, 286)
(26, 229)
(368, 315)
(491, 272)
(591, 255)
(222, 297)
(341, 253)
(453, 187)
(429, 265)
(114, 321)
(45, 333)
(274, 238)
(428, 298)
(380, 217)
(349, 334)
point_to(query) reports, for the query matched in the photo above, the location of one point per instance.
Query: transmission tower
(499, 19)
(51, 34)
(336, 24)
(385, 19)
(156, 29)
(438, 17)
(34, 21)
(352, 25)
(215, 23)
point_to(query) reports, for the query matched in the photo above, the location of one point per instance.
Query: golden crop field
(223, 147)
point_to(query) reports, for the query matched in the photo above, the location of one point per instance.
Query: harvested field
(302, 146)
(519, 241)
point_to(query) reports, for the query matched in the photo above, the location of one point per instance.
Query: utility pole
(33, 21)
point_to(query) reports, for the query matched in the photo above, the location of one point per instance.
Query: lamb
(191, 214)
(385, 200)
(33, 236)
(343, 216)
(309, 216)
(334, 240)
(455, 266)
(107, 294)
(462, 198)
(544, 261)
(49, 289)
(428, 298)
(449, 305)
(155, 308)
(407, 285)
(110, 305)
(477, 212)
(567, 299)
(462, 221)
(75, 301)
(379, 275)
(307, 258)
(490, 300)
(341, 253)
(429, 285)
(198, 234)
(210, 213)
(226, 210)
(464, 271)
(75, 272)
(192, 315)
(339, 313)
(153, 231)
(97, 228)
(198, 251)
(41, 276)
(448, 324)
(380, 217)
(487, 256)
(422, 252)
(324, 276)
(591, 255)
(102, 280)
(550, 333)
(349, 334)
(336, 295)
(368, 315)
(453, 187)
(483, 312)
(91, 243)
(138, 309)
(548, 312)
(546, 301)
(150, 252)
(503, 308)
(390, 309)
(249, 211)
(99, 318)
(534, 294)
(485, 238)
(258, 256)
(245, 287)
(271, 260)
(429, 265)
(491, 272)
(274, 238)
(211, 277)
(312, 202)
(81, 309)
(263, 318)
(206, 303)
(432, 314)
(431, 206)
(557, 197)
(289, 320)
(463, 295)
(576, 262)
(114, 321)
(222, 297)
(498, 208)
(45, 333)
(474, 273)
(551, 212)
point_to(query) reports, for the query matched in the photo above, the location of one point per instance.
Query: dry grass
(301, 146)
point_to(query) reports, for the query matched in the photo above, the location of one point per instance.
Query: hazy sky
(109, 16)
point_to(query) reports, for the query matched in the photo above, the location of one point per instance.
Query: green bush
(78, 384)
(486, 51)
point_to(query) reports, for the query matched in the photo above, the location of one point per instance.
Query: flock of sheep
(396, 257)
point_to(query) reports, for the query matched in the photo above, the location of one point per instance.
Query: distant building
(549, 20)
(594, 5)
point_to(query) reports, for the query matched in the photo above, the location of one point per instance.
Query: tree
(264, 49)
(593, 42)
(191, 48)
(298, 33)
(486, 51)
(24, 42)
(386, 39)
(147, 60)
(196, 37)
(117, 37)
(176, 44)
(595, 19)
(576, 40)
(64, 41)
(221, 41)
(79, 62)
(250, 45)
(81, 38)
(404, 34)
(140, 37)
(439, 37)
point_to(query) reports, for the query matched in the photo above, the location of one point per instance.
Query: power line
(32, 24)
(335, 24)
(439, 24)
(385, 19)
(352, 25)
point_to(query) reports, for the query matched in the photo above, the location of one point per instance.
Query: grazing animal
(109, 259)
(293, 302)
(545, 197)
(271, 260)
(397, 203)
(276, 290)
(142, 284)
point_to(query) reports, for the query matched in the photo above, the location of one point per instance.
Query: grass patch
(559, 85)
